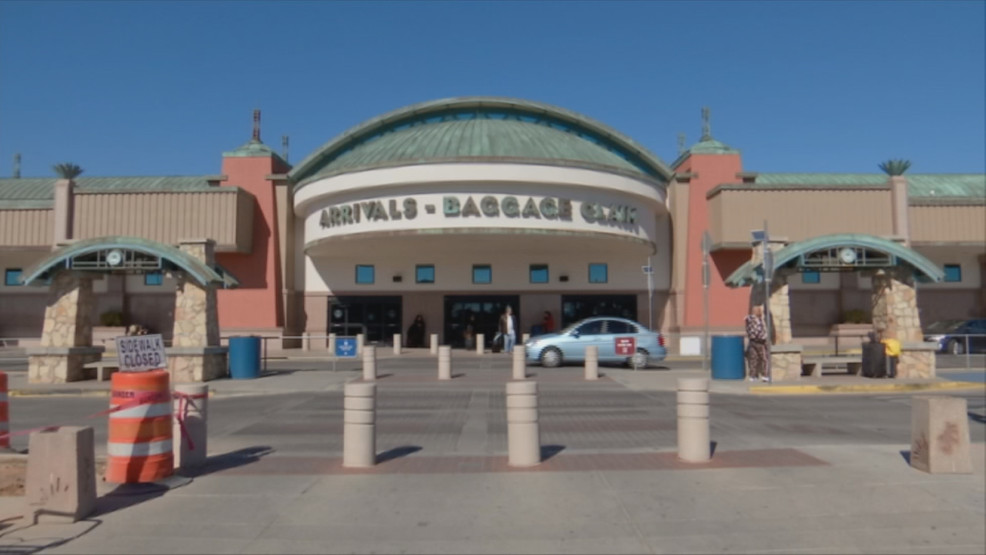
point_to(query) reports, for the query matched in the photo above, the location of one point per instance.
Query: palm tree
(67, 170)
(895, 167)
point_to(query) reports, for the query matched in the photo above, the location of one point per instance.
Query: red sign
(626, 345)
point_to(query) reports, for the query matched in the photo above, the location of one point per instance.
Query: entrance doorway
(379, 318)
(484, 311)
(577, 307)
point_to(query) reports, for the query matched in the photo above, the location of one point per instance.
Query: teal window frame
(539, 273)
(953, 273)
(811, 277)
(421, 273)
(366, 274)
(153, 279)
(594, 268)
(477, 274)
(12, 277)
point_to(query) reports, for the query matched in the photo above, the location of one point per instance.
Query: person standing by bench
(756, 348)
(891, 348)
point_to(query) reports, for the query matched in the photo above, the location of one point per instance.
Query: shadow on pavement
(397, 452)
(907, 456)
(712, 448)
(977, 417)
(226, 461)
(548, 451)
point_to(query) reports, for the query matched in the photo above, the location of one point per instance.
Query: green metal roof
(39, 192)
(918, 185)
(252, 148)
(788, 256)
(195, 268)
(480, 129)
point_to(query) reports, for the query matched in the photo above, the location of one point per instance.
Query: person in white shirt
(507, 329)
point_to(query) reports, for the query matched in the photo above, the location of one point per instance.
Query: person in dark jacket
(416, 333)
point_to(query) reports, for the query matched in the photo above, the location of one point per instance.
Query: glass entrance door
(478, 314)
(379, 318)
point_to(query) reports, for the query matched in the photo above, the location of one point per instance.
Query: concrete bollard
(445, 362)
(359, 343)
(520, 362)
(306, 342)
(397, 343)
(370, 363)
(434, 344)
(480, 341)
(940, 435)
(332, 344)
(359, 435)
(523, 433)
(693, 420)
(61, 474)
(592, 363)
(190, 425)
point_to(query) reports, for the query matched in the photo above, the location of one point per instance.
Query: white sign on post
(138, 353)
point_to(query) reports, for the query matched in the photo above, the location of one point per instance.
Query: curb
(72, 393)
(888, 388)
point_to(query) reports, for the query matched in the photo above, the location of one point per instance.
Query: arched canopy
(840, 252)
(127, 255)
(480, 128)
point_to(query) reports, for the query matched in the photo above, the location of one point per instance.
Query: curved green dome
(480, 130)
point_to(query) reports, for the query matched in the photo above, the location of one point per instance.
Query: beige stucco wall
(26, 227)
(798, 214)
(948, 224)
(226, 216)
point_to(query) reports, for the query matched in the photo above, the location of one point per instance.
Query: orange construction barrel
(139, 448)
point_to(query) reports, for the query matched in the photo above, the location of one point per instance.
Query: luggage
(874, 361)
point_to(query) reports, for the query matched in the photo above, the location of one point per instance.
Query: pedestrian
(469, 332)
(891, 348)
(549, 322)
(507, 329)
(756, 349)
(416, 333)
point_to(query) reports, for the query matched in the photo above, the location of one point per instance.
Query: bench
(815, 366)
(104, 368)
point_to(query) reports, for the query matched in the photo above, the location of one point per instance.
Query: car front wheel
(551, 358)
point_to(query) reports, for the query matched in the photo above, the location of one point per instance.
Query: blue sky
(163, 88)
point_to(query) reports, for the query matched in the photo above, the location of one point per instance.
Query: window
(953, 273)
(154, 278)
(616, 326)
(364, 274)
(591, 328)
(598, 273)
(482, 273)
(424, 273)
(539, 273)
(12, 277)
(811, 276)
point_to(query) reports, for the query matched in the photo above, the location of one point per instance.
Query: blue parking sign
(345, 346)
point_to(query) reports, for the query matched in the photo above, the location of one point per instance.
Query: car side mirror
(575, 333)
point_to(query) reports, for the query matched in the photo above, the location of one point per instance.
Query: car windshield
(944, 326)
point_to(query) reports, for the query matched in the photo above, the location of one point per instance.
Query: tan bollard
(523, 433)
(693, 420)
(190, 425)
(480, 340)
(520, 362)
(940, 435)
(61, 474)
(592, 363)
(445, 362)
(360, 338)
(524, 338)
(306, 342)
(332, 344)
(434, 344)
(397, 343)
(359, 435)
(370, 363)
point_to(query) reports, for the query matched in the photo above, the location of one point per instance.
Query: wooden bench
(816, 365)
(104, 368)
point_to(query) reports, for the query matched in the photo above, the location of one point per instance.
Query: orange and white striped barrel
(4, 413)
(139, 448)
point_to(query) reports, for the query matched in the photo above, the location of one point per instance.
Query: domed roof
(481, 130)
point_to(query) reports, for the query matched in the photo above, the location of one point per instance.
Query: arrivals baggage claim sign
(488, 206)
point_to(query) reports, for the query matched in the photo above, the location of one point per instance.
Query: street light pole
(706, 247)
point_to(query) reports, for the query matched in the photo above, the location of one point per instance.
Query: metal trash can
(727, 357)
(244, 357)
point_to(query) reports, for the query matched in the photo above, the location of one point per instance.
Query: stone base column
(60, 364)
(917, 361)
(196, 364)
(785, 362)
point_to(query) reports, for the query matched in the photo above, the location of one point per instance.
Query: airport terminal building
(456, 208)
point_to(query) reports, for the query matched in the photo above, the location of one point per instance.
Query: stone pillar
(196, 354)
(61, 474)
(899, 208)
(397, 343)
(780, 310)
(360, 340)
(785, 362)
(940, 435)
(523, 430)
(982, 289)
(66, 339)
(895, 305)
(917, 360)
(332, 344)
(370, 363)
(480, 340)
(64, 210)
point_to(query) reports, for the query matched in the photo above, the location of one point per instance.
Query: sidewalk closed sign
(626, 345)
(137, 353)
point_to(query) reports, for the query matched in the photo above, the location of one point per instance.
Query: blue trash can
(244, 357)
(727, 357)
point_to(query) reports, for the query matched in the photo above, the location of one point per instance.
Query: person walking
(507, 329)
(756, 349)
